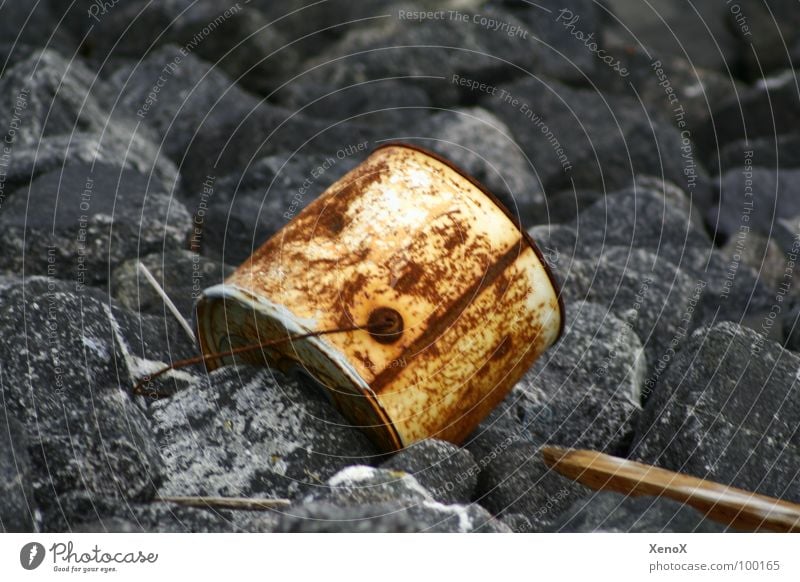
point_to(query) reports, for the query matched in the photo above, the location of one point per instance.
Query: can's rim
(510, 215)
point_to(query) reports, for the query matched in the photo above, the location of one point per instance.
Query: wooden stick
(236, 503)
(167, 301)
(729, 505)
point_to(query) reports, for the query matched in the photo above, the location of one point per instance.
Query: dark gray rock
(25, 28)
(447, 471)
(481, 144)
(423, 51)
(246, 431)
(587, 140)
(701, 34)
(780, 152)
(385, 103)
(765, 31)
(237, 38)
(769, 108)
(362, 498)
(612, 512)
(759, 253)
(790, 328)
(652, 296)
(643, 219)
(47, 96)
(52, 154)
(558, 245)
(100, 514)
(755, 199)
(250, 206)
(389, 517)
(584, 392)
(565, 205)
(560, 54)
(175, 95)
(514, 479)
(69, 361)
(77, 222)
(17, 505)
(672, 88)
(726, 409)
(182, 274)
(517, 522)
(230, 143)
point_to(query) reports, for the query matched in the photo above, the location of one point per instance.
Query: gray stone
(577, 138)
(766, 109)
(17, 506)
(69, 362)
(515, 479)
(100, 515)
(47, 96)
(389, 517)
(790, 328)
(237, 38)
(182, 274)
(78, 222)
(765, 31)
(584, 392)
(481, 144)
(362, 498)
(644, 220)
(565, 205)
(700, 34)
(175, 95)
(727, 410)
(781, 152)
(230, 142)
(51, 154)
(612, 512)
(759, 253)
(27, 27)
(559, 52)
(252, 432)
(424, 51)
(756, 202)
(389, 104)
(656, 299)
(447, 471)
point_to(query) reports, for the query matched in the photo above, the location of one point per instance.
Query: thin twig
(167, 301)
(237, 503)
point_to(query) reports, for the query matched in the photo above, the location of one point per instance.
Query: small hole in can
(385, 325)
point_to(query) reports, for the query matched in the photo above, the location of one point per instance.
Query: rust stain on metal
(405, 237)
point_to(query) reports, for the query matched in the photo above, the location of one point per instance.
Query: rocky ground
(654, 157)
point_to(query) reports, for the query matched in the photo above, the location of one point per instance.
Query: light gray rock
(252, 432)
(447, 471)
(360, 498)
(726, 409)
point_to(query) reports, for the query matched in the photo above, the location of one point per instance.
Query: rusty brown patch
(502, 349)
(437, 326)
(413, 273)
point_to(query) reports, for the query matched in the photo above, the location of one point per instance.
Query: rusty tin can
(406, 235)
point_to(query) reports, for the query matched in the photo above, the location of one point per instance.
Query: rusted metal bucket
(407, 237)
